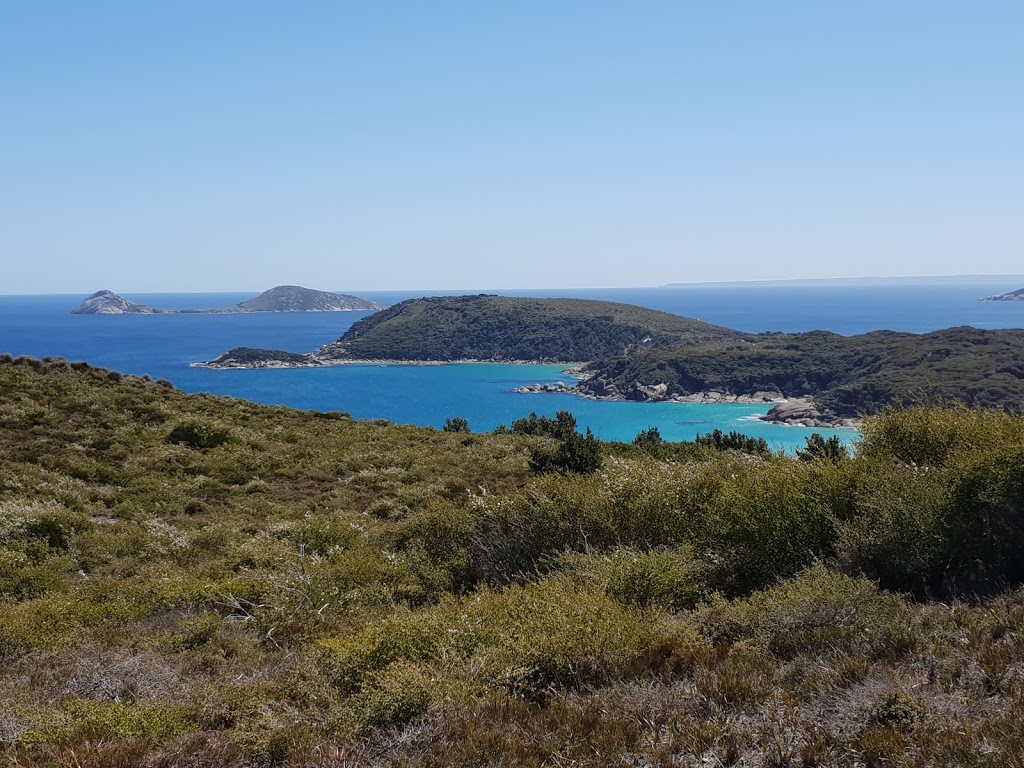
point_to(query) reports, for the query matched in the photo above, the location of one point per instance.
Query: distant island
(109, 303)
(1017, 295)
(815, 379)
(283, 298)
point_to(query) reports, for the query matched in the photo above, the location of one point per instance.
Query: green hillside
(847, 376)
(503, 328)
(200, 581)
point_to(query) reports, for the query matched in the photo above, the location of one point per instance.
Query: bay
(163, 346)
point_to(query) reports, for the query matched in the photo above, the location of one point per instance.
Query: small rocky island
(109, 303)
(1017, 295)
(283, 298)
(250, 357)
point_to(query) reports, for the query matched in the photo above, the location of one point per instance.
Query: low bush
(818, 611)
(198, 436)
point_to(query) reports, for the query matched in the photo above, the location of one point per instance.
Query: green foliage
(315, 582)
(734, 441)
(506, 328)
(847, 376)
(456, 424)
(816, 611)
(649, 439)
(818, 448)
(561, 427)
(529, 640)
(674, 579)
(252, 355)
(575, 453)
(103, 721)
(198, 436)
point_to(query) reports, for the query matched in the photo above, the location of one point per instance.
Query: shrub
(734, 441)
(675, 579)
(529, 640)
(898, 532)
(457, 424)
(82, 719)
(394, 696)
(198, 436)
(649, 439)
(766, 522)
(817, 611)
(575, 453)
(818, 448)
(560, 427)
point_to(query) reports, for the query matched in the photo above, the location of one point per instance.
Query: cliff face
(109, 303)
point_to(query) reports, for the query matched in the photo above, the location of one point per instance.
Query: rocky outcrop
(558, 387)
(248, 357)
(109, 303)
(711, 397)
(802, 412)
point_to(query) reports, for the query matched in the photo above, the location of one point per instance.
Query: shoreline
(319, 362)
(785, 411)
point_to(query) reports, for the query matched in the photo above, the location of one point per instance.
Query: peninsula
(1017, 295)
(283, 298)
(815, 379)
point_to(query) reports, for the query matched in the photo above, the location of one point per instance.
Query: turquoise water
(484, 394)
(163, 346)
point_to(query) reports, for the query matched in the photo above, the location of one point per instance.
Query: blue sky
(235, 145)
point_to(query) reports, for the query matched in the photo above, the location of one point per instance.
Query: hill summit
(504, 328)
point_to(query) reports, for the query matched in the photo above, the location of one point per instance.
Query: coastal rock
(248, 357)
(802, 412)
(712, 397)
(653, 392)
(558, 386)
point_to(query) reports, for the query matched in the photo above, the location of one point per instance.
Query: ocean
(163, 346)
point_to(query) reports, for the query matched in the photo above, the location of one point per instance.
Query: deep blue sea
(164, 345)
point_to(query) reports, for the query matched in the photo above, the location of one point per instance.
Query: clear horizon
(972, 279)
(201, 147)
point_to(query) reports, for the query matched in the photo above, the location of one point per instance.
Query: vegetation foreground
(192, 580)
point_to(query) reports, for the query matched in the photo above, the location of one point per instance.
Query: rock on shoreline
(802, 412)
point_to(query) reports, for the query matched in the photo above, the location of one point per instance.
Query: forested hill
(505, 328)
(845, 375)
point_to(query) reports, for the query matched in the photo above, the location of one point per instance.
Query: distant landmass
(1017, 295)
(632, 353)
(818, 282)
(283, 298)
